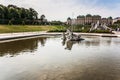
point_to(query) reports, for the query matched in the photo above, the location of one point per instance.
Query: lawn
(50, 28)
(27, 28)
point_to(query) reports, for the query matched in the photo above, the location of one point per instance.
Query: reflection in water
(96, 41)
(69, 44)
(90, 41)
(95, 58)
(16, 47)
(63, 42)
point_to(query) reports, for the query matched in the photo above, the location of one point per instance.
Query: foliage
(56, 23)
(43, 21)
(115, 26)
(100, 31)
(16, 14)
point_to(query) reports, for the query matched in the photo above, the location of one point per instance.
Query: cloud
(62, 9)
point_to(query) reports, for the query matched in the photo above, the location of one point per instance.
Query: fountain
(71, 36)
(98, 26)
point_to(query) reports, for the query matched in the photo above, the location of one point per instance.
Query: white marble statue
(70, 36)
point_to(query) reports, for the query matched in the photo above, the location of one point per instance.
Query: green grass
(101, 31)
(58, 29)
(33, 28)
(25, 28)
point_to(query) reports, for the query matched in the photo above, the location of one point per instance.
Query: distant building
(89, 19)
(96, 18)
(81, 20)
(116, 19)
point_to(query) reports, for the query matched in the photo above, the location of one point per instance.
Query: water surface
(43, 58)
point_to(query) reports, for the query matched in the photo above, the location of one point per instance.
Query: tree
(42, 17)
(56, 23)
(12, 13)
(32, 14)
(5, 12)
(22, 13)
(43, 20)
(1, 11)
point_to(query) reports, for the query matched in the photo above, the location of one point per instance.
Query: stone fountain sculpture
(98, 26)
(69, 35)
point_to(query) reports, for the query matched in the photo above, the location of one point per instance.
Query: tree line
(12, 14)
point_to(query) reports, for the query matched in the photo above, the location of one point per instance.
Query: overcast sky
(62, 9)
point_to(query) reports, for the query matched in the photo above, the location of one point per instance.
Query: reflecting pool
(44, 58)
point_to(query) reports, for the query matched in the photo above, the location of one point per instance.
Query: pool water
(45, 58)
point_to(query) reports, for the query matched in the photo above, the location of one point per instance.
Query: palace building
(89, 19)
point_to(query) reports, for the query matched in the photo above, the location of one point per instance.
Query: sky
(62, 9)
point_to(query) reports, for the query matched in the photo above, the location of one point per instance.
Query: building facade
(116, 19)
(89, 19)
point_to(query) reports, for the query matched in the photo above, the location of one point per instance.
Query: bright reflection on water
(43, 58)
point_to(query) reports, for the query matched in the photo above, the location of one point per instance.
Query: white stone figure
(98, 26)
(70, 36)
(92, 27)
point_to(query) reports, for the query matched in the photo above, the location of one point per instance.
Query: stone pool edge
(10, 36)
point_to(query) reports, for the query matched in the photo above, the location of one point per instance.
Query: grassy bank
(33, 28)
(78, 29)
(26, 28)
